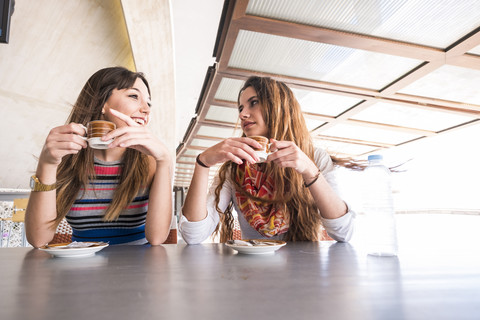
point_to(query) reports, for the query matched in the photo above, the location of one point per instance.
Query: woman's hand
(136, 136)
(63, 140)
(288, 155)
(231, 149)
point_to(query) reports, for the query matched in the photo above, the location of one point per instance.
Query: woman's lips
(247, 124)
(140, 121)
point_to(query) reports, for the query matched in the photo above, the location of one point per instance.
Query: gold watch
(36, 185)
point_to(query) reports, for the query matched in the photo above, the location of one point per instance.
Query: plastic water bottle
(378, 207)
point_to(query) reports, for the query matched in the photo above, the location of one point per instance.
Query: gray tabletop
(324, 280)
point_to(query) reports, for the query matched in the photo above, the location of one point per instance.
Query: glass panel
(203, 143)
(183, 175)
(184, 166)
(210, 131)
(324, 103)
(428, 22)
(475, 50)
(191, 152)
(184, 171)
(317, 61)
(411, 117)
(313, 123)
(448, 83)
(339, 148)
(368, 134)
(186, 159)
(228, 89)
(223, 114)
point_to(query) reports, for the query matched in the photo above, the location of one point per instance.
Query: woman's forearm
(195, 206)
(328, 202)
(159, 214)
(41, 209)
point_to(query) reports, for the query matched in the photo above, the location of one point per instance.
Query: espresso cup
(96, 130)
(263, 152)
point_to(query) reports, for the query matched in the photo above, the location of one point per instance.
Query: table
(325, 280)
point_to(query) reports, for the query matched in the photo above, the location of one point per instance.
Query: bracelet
(200, 162)
(313, 181)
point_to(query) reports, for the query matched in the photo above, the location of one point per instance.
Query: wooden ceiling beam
(338, 38)
(387, 95)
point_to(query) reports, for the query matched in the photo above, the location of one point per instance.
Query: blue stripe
(93, 201)
(112, 236)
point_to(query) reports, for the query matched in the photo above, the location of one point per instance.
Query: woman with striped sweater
(120, 195)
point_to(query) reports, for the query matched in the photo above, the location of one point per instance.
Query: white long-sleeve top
(193, 232)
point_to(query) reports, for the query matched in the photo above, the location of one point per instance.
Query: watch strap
(36, 185)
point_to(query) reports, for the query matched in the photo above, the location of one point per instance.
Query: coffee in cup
(96, 130)
(263, 152)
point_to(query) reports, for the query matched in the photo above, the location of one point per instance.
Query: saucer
(263, 246)
(97, 143)
(67, 250)
(262, 155)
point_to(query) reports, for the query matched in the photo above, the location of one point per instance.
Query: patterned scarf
(267, 219)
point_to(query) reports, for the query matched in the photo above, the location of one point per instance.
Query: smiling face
(133, 102)
(250, 114)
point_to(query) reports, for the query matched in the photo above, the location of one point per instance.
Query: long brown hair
(76, 170)
(284, 118)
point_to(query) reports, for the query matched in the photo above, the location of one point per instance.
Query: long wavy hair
(283, 116)
(76, 170)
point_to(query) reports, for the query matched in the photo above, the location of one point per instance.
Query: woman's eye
(254, 102)
(240, 109)
(134, 96)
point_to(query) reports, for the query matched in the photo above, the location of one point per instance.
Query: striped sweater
(86, 214)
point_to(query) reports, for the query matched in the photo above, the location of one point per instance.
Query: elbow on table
(157, 239)
(192, 241)
(37, 242)
(192, 236)
(341, 237)
(38, 236)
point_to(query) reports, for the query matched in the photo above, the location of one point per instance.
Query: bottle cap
(375, 157)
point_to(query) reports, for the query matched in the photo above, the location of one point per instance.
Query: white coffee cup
(263, 152)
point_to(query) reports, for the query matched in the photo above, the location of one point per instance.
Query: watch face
(32, 183)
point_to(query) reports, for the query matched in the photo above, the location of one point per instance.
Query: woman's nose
(145, 108)
(243, 114)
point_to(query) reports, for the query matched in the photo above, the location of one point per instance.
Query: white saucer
(266, 248)
(64, 251)
(97, 143)
(262, 155)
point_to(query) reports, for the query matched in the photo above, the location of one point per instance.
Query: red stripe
(107, 170)
(88, 208)
(137, 206)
